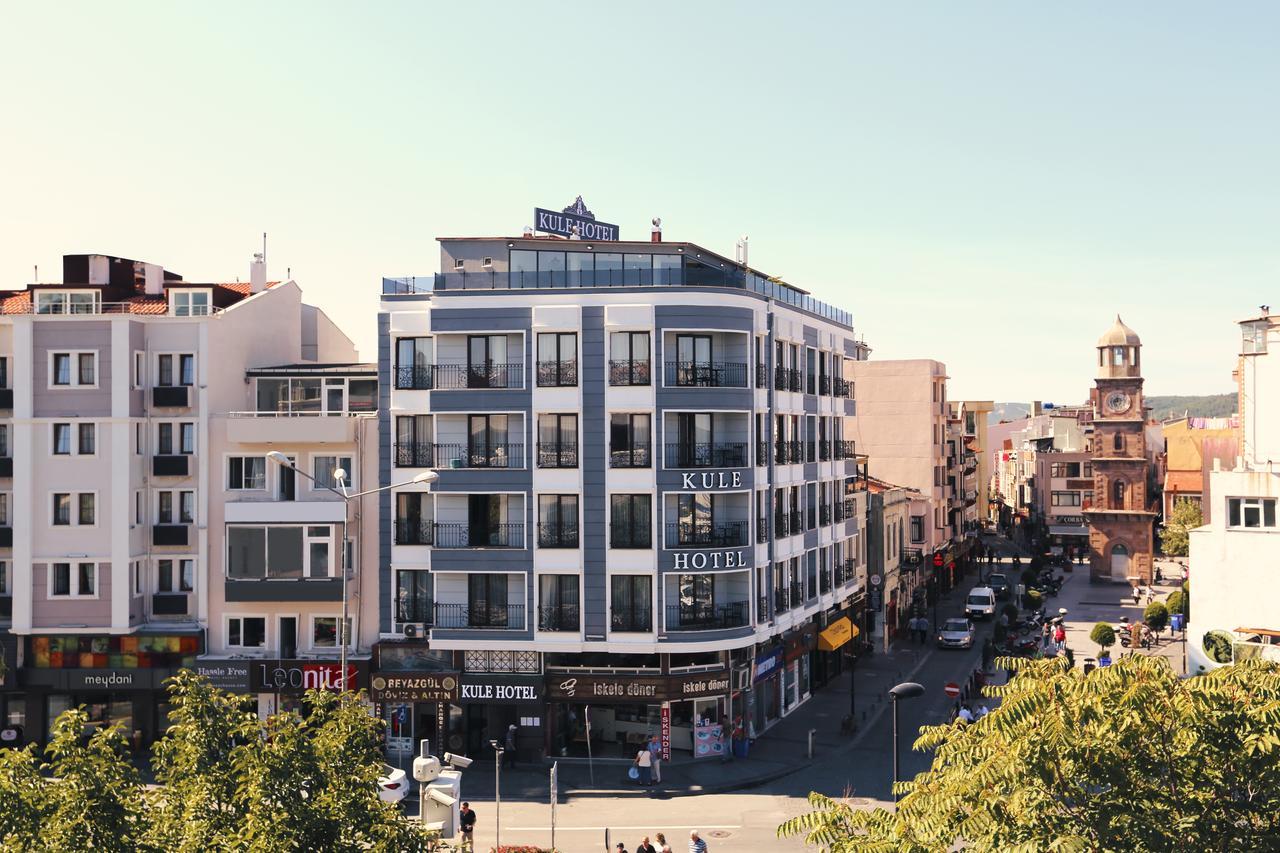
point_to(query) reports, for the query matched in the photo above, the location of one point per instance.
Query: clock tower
(1120, 523)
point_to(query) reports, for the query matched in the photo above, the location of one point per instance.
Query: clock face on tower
(1117, 402)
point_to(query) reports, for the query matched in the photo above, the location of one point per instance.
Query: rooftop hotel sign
(574, 221)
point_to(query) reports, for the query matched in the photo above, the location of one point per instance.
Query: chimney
(655, 233)
(258, 273)
(153, 279)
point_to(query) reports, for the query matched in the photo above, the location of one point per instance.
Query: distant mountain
(1162, 408)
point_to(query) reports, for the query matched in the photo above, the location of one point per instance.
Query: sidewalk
(780, 751)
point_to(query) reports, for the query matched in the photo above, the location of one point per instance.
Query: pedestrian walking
(1060, 637)
(509, 748)
(655, 751)
(645, 847)
(644, 761)
(965, 714)
(467, 823)
(1046, 636)
(696, 844)
(620, 847)
(663, 846)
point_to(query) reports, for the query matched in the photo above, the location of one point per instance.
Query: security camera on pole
(440, 789)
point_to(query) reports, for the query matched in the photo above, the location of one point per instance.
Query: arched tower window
(1118, 442)
(1117, 494)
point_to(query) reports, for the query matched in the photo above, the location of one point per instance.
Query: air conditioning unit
(413, 630)
(742, 678)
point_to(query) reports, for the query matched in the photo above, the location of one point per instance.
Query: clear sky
(982, 183)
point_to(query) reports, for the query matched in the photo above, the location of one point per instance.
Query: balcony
(480, 615)
(824, 386)
(707, 617)
(415, 607)
(824, 514)
(795, 381)
(824, 450)
(708, 374)
(463, 535)
(850, 508)
(552, 535)
(762, 608)
(629, 372)
(634, 621)
(762, 530)
(842, 387)
(172, 465)
(414, 378)
(627, 538)
(762, 376)
(414, 454)
(557, 454)
(414, 532)
(797, 594)
(838, 511)
(635, 457)
(486, 375)
(171, 396)
(493, 455)
(762, 452)
(170, 534)
(781, 528)
(557, 374)
(6, 467)
(559, 617)
(796, 521)
(781, 603)
(707, 454)
(844, 448)
(169, 604)
(729, 534)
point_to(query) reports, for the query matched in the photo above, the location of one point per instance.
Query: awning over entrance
(837, 634)
(1068, 530)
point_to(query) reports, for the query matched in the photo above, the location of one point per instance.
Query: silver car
(955, 634)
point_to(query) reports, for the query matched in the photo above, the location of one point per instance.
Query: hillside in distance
(1163, 408)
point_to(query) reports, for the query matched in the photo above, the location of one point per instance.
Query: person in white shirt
(966, 715)
(696, 844)
(644, 761)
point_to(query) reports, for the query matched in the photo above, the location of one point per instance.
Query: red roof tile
(1184, 482)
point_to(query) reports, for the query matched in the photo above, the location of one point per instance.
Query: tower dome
(1119, 352)
(1119, 335)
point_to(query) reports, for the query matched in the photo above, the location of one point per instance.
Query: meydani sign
(575, 221)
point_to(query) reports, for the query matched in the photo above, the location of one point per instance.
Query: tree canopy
(1186, 516)
(1128, 757)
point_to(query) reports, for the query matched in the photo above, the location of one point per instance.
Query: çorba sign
(632, 688)
(574, 221)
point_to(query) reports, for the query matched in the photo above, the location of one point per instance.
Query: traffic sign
(875, 580)
(952, 689)
(937, 561)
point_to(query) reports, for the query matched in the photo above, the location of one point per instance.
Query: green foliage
(1104, 635)
(1177, 602)
(1128, 757)
(1156, 616)
(1217, 646)
(1164, 408)
(24, 795)
(1186, 516)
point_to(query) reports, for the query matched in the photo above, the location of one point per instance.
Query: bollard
(812, 732)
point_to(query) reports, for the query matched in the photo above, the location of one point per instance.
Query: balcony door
(412, 519)
(487, 441)
(486, 361)
(287, 486)
(288, 637)
(697, 599)
(693, 359)
(696, 518)
(487, 600)
(484, 520)
(696, 437)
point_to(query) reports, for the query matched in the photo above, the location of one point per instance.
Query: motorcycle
(1144, 638)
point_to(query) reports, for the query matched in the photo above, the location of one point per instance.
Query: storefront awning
(837, 634)
(1068, 530)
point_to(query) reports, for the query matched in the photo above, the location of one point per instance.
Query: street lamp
(497, 792)
(340, 477)
(905, 690)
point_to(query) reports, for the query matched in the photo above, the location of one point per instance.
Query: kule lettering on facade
(711, 480)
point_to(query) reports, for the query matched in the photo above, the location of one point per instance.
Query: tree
(1176, 602)
(1217, 646)
(1156, 616)
(1127, 757)
(1104, 635)
(24, 794)
(1186, 516)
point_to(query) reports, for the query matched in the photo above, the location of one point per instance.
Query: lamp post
(340, 477)
(497, 792)
(905, 690)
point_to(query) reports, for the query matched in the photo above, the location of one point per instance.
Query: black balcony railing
(795, 381)
(415, 607)
(706, 374)
(844, 448)
(720, 534)
(636, 456)
(762, 530)
(483, 375)
(781, 528)
(762, 608)
(850, 507)
(415, 454)
(824, 514)
(492, 455)
(170, 534)
(824, 450)
(795, 452)
(414, 532)
(762, 452)
(762, 376)
(706, 454)
(631, 620)
(480, 615)
(838, 511)
(797, 594)
(169, 604)
(462, 535)
(796, 521)
(781, 604)
(552, 535)
(842, 387)
(414, 378)
(171, 396)
(170, 465)
(707, 617)
(558, 374)
(810, 451)
(623, 536)
(558, 617)
(780, 453)
(824, 581)
(629, 372)
(557, 454)
(824, 385)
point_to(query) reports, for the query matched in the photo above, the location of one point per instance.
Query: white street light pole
(340, 476)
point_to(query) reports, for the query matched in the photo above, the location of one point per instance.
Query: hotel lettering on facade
(649, 501)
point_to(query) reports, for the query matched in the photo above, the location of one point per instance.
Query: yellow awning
(837, 634)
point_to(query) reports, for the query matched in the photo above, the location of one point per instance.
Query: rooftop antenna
(264, 247)
(36, 269)
(740, 250)
(288, 273)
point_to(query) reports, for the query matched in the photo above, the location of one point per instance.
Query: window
(557, 359)
(557, 441)
(175, 369)
(137, 439)
(4, 510)
(135, 579)
(139, 369)
(73, 580)
(175, 506)
(1117, 442)
(324, 632)
(1117, 494)
(1118, 356)
(1251, 512)
(87, 508)
(323, 468)
(1064, 469)
(68, 301)
(629, 440)
(175, 438)
(1065, 499)
(557, 521)
(413, 363)
(87, 435)
(288, 551)
(246, 473)
(62, 439)
(175, 575)
(4, 578)
(631, 603)
(917, 528)
(247, 632)
(189, 303)
(629, 358)
(61, 508)
(630, 521)
(487, 603)
(73, 369)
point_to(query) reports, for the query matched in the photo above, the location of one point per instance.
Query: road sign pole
(554, 796)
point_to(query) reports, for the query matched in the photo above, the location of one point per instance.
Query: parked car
(980, 603)
(956, 634)
(1000, 584)
(393, 784)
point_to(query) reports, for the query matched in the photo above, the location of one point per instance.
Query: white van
(981, 603)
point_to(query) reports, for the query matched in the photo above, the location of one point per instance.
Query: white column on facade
(21, 502)
(205, 463)
(121, 502)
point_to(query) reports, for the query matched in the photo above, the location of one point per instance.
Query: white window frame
(334, 539)
(139, 369)
(177, 506)
(1257, 503)
(74, 584)
(75, 382)
(226, 472)
(177, 450)
(314, 486)
(337, 620)
(175, 310)
(176, 562)
(6, 584)
(135, 578)
(177, 368)
(73, 427)
(266, 631)
(63, 296)
(75, 509)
